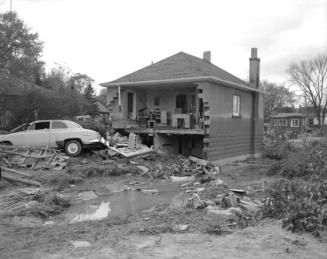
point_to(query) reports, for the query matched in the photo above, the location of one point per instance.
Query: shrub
(302, 204)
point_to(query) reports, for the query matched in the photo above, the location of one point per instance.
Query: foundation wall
(187, 145)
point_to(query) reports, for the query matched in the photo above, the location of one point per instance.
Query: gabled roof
(180, 67)
(102, 108)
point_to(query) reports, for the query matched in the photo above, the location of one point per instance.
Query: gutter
(184, 80)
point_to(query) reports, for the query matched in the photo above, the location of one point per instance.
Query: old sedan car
(55, 133)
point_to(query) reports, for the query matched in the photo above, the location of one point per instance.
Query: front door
(130, 105)
(37, 135)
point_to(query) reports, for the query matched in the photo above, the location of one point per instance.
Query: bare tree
(311, 77)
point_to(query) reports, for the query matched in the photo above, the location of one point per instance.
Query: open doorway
(130, 105)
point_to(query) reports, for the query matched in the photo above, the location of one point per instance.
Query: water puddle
(119, 204)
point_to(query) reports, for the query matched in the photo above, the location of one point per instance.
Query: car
(63, 134)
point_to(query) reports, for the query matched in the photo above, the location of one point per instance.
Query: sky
(107, 39)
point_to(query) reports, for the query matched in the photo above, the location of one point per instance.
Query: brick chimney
(254, 75)
(207, 56)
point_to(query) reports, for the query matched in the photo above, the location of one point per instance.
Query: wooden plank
(37, 160)
(24, 158)
(20, 180)
(15, 172)
(27, 156)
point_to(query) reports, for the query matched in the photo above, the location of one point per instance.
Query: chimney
(207, 56)
(254, 74)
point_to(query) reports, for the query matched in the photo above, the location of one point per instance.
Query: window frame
(285, 123)
(293, 124)
(236, 103)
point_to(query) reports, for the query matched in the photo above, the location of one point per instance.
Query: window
(236, 105)
(295, 123)
(280, 123)
(285, 123)
(157, 100)
(58, 125)
(310, 121)
(275, 123)
(40, 125)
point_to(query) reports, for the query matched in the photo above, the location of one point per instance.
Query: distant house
(311, 118)
(190, 106)
(288, 121)
(103, 110)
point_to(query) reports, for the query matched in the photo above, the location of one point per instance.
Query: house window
(310, 121)
(236, 105)
(157, 100)
(280, 123)
(285, 123)
(295, 123)
(275, 123)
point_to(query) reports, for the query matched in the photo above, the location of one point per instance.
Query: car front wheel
(73, 147)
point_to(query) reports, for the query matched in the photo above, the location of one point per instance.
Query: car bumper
(96, 144)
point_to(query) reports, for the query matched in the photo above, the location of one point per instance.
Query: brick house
(190, 106)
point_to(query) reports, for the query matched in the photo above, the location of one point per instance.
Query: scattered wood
(24, 155)
(15, 172)
(20, 180)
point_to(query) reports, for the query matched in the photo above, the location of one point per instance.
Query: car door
(37, 134)
(57, 131)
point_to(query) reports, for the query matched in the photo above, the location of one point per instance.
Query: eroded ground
(147, 218)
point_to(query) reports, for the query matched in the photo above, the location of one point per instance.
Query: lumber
(200, 161)
(24, 155)
(20, 180)
(15, 171)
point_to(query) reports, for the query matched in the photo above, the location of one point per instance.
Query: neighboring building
(103, 110)
(311, 118)
(289, 121)
(191, 107)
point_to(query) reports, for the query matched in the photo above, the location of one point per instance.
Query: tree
(102, 97)
(90, 96)
(311, 77)
(20, 49)
(277, 97)
(80, 82)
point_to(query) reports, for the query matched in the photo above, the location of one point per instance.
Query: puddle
(119, 204)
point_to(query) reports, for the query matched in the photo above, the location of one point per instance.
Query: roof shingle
(180, 65)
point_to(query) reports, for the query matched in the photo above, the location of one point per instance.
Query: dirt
(153, 230)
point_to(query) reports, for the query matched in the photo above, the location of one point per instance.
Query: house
(288, 121)
(311, 116)
(103, 110)
(189, 106)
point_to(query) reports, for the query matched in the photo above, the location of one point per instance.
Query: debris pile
(32, 157)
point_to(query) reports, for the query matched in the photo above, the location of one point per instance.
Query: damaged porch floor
(145, 232)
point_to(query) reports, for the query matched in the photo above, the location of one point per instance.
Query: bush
(302, 204)
(311, 160)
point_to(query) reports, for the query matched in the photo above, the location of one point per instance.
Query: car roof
(52, 120)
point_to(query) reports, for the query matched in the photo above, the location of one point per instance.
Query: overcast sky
(107, 39)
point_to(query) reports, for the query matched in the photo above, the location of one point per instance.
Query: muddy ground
(146, 224)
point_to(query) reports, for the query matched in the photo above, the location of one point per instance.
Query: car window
(72, 124)
(42, 125)
(58, 125)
